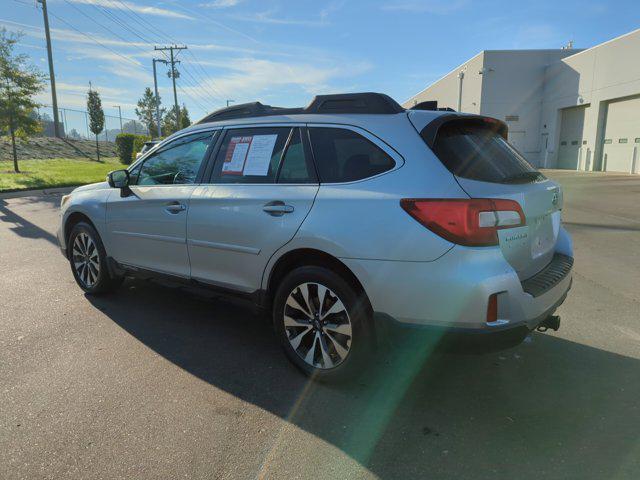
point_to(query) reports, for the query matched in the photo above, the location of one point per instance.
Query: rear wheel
(88, 260)
(322, 322)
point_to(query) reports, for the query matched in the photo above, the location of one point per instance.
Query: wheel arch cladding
(72, 220)
(303, 257)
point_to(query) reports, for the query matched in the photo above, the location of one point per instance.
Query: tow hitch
(551, 322)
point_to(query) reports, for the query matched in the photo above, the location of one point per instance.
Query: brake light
(471, 222)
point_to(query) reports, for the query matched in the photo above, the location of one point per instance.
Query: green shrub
(124, 146)
(138, 142)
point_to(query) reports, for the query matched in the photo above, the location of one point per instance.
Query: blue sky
(284, 52)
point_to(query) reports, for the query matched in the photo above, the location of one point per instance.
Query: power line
(196, 82)
(198, 104)
(137, 64)
(117, 20)
(143, 22)
(104, 27)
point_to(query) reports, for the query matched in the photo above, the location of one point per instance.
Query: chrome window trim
(377, 141)
(170, 138)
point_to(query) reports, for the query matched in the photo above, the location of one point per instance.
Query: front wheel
(88, 260)
(322, 323)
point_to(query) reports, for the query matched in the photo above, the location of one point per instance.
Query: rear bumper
(462, 340)
(452, 292)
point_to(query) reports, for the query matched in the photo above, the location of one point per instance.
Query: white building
(566, 108)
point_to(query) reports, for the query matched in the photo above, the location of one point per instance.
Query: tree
(74, 134)
(170, 120)
(185, 121)
(146, 110)
(19, 82)
(133, 126)
(96, 116)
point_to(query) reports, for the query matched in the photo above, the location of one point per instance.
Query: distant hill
(48, 147)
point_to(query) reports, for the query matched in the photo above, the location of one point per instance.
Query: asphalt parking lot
(155, 382)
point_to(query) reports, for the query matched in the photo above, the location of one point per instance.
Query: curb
(36, 193)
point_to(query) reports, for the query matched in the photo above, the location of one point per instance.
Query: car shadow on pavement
(23, 227)
(549, 408)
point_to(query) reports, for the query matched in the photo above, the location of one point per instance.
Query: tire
(328, 342)
(88, 260)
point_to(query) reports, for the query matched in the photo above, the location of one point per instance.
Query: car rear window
(476, 150)
(345, 156)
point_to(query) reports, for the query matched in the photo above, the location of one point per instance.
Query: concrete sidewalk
(37, 193)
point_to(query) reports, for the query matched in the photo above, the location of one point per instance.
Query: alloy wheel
(317, 325)
(86, 260)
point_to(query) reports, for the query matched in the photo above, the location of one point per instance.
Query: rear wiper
(522, 176)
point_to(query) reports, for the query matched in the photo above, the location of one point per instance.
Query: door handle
(277, 208)
(175, 207)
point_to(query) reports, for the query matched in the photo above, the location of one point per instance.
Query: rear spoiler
(431, 105)
(430, 131)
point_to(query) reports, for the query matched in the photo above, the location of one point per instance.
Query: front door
(262, 188)
(147, 228)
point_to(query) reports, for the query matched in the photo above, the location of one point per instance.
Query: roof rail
(372, 103)
(253, 109)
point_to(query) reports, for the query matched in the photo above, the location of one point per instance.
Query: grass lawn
(55, 172)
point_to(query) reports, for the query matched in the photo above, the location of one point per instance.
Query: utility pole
(155, 87)
(173, 74)
(229, 101)
(120, 115)
(52, 77)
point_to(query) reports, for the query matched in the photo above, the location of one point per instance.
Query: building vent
(512, 118)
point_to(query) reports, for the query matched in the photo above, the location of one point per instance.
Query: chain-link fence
(74, 124)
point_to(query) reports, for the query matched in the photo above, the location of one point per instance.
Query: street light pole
(229, 101)
(120, 115)
(460, 79)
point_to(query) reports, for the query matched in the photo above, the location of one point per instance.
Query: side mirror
(118, 179)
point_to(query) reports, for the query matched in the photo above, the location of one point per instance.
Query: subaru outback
(338, 218)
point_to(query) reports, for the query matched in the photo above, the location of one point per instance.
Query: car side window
(176, 163)
(343, 155)
(296, 167)
(250, 155)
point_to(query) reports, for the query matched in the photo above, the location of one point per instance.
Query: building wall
(445, 90)
(532, 89)
(513, 91)
(594, 77)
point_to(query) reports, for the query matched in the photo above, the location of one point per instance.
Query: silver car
(345, 219)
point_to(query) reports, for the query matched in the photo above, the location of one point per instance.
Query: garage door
(621, 142)
(571, 133)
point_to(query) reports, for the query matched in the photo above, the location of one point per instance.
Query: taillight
(472, 222)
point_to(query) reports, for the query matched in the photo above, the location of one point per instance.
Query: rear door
(487, 166)
(262, 187)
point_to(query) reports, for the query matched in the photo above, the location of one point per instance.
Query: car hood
(92, 186)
